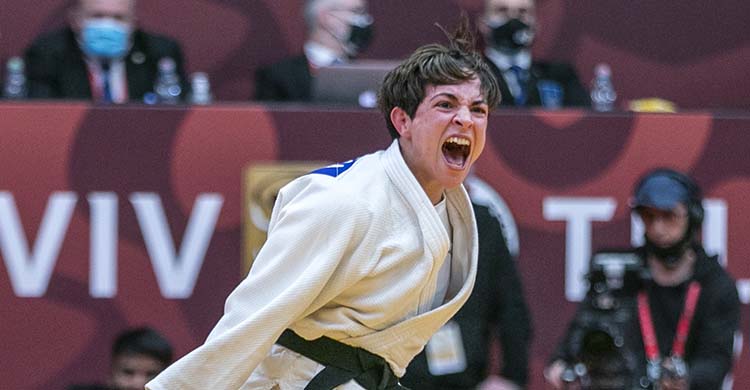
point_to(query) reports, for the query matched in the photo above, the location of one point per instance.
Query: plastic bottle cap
(602, 70)
(368, 99)
(15, 64)
(167, 64)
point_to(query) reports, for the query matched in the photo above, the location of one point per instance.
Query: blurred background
(692, 53)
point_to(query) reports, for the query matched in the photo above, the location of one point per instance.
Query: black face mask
(671, 255)
(513, 34)
(360, 34)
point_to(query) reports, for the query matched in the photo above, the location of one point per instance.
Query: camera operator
(681, 323)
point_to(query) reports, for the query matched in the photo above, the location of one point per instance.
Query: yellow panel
(260, 185)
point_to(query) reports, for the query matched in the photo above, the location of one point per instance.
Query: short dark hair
(143, 341)
(436, 64)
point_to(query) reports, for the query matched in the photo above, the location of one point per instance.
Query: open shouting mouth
(456, 151)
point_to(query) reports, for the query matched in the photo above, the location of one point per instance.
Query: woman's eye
(479, 110)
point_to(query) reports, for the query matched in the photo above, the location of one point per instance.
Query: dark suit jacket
(574, 94)
(56, 69)
(496, 306)
(287, 80)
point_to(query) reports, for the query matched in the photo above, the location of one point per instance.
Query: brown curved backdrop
(180, 152)
(692, 52)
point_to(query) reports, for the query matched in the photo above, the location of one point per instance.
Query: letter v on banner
(176, 273)
(30, 272)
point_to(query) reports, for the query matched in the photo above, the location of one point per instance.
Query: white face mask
(105, 38)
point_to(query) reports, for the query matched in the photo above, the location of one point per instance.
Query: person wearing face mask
(101, 56)
(509, 27)
(685, 286)
(337, 31)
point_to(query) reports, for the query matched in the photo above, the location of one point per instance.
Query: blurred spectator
(496, 308)
(508, 27)
(337, 30)
(678, 329)
(101, 55)
(137, 356)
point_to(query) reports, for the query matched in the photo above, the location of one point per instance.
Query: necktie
(106, 89)
(522, 77)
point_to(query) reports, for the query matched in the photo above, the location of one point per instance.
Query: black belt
(342, 363)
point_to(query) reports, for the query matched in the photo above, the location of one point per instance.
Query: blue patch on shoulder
(335, 169)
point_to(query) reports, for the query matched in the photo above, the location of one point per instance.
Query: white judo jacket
(353, 251)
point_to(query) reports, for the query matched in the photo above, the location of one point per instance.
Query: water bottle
(603, 94)
(200, 89)
(15, 79)
(167, 87)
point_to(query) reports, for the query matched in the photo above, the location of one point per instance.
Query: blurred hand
(673, 384)
(674, 375)
(494, 382)
(553, 374)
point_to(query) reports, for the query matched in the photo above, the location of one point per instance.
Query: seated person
(337, 30)
(496, 307)
(101, 56)
(682, 285)
(508, 27)
(137, 356)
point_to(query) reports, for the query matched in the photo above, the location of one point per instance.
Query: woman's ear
(401, 122)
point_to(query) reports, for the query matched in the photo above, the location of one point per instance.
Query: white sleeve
(307, 255)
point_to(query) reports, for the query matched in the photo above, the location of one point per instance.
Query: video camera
(602, 360)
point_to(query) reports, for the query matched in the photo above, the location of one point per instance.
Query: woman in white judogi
(376, 253)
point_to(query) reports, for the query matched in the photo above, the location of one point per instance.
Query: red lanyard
(683, 326)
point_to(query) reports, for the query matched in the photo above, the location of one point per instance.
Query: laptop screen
(355, 83)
